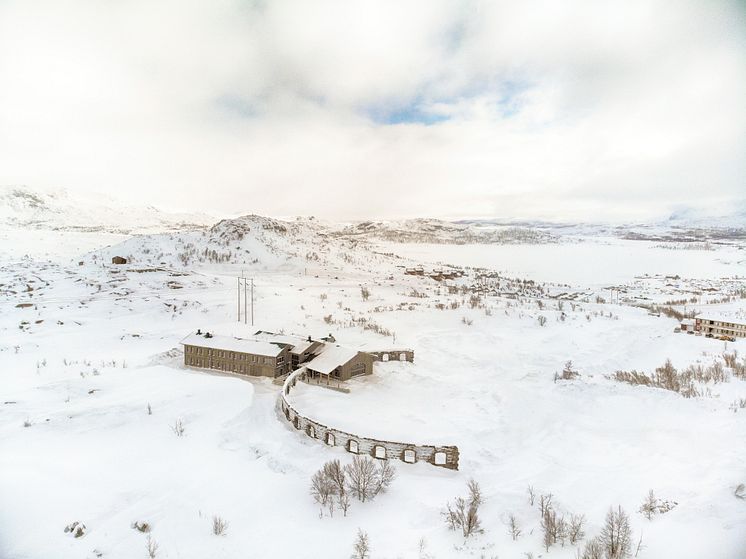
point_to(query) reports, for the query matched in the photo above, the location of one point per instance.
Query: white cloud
(580, 109)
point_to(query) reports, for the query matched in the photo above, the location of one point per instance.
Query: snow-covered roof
(299, 343)
(229, 343)
(331, 357)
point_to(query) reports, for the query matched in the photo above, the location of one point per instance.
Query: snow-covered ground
(96, 345)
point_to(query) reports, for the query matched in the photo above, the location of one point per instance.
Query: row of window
(209, 352)
(226, 366)
(729, 325)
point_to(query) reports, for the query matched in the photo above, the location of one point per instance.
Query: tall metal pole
(239, 299)
(252, 301)
(244, 301)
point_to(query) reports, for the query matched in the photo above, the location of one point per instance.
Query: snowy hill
(256, 242)
(442, 232)
(730, 217)
(22, 206)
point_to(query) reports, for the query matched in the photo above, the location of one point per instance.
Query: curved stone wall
(441, 456)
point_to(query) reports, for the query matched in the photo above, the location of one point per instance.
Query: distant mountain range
(683, 217)
(23, 206)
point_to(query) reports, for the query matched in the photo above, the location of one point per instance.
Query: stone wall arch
(441, 456)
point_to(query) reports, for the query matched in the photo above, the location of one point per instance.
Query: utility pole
(252, 301)
(244, 301)
(239, 299)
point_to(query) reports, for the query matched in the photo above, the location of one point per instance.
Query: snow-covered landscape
(94, 384)
(352, 279)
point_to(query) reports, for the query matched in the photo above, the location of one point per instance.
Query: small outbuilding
(118, 260)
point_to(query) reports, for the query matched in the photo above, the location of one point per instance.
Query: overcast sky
(573, 109)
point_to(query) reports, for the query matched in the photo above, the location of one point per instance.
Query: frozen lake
(592, 261)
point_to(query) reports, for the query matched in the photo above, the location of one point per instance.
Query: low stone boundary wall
(442, 456)
(393, 355)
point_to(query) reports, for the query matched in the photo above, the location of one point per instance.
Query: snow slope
(93, 345)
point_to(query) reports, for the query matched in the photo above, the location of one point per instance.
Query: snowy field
(587, 260)
(95, 347)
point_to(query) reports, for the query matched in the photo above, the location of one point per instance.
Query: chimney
(199, 332)
(309, 338)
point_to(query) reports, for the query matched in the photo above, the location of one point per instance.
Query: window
(409, 456)
(379, 452)
(385, 357)
(440, 458)
(353, 446)
(330, 439)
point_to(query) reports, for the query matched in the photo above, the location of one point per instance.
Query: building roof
(299, 343)
(229, 343)
(331, 357)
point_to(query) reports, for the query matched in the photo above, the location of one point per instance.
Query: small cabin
(118, 260)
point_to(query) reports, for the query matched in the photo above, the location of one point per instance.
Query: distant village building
(720, 327)
(118, 260)
(687, 325)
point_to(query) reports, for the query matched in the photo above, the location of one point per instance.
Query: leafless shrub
(365, 480)
(740, 491)
(616, 535)
(178, 428)
(361, 477)
(384, 476)
(652, 506)
(219, 525)
(463, 513)
(593, 549)
(545, 503)
(531, 495)
(343, 500)
(422, 549)
(683, 382)
(335, 473)
(365, 293)
(649, 506)
(27, 423)
(568, 373)
(513, 528)
(467, 321)
(361, 549)
(738, 404)
(575, 531)
(143, 527)
(554, 528)
(475, 492)
(152, 547)
(322, 488)
(150, 410)
(542, 320)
